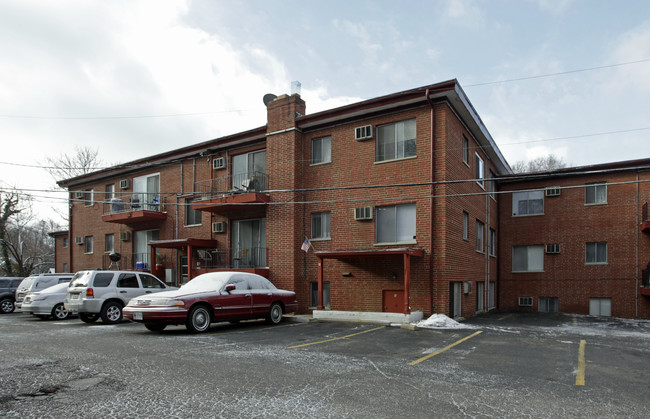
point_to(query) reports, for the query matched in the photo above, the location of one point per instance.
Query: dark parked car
(8, 287)
(213, 297)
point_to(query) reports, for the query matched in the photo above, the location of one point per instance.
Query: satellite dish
(268, 98)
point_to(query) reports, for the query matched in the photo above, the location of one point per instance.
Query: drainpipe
(636, 256)
(432, 206)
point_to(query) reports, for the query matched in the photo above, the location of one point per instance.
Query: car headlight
(156, 302)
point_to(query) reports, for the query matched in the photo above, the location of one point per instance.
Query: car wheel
(275, 313)
(111, 312)
(88, 317)
(7, 306)
(59, 312)
(198, 320)
(154, 327)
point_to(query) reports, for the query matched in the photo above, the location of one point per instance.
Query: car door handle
(122, 292)
(147, 292)
(247, 295)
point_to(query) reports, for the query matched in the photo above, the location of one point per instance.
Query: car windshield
(205, 283)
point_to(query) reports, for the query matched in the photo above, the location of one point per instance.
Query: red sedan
(212, 297)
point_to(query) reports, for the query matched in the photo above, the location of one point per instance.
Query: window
(65, 267)
(396, 141)
(110, 192)
(88, 243)
(547, 305)
(465, 226)
(102, 280)
(465, 150)
(109, 243)
(249, 171)
(479, 170)
(127, 281)
(65, 242)
(480, 234)
(600, 306)
(596, 193)
(596, 253)
(321, 150)
(492, 238)
(149, 281)
(528, 203)
(491, 293)
(320, 225)
(528, 259)
(396, 224)
(88, 197)
(192, 216)
(146, 192)
(314, 295)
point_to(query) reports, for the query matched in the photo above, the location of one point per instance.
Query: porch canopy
(187, 244)
(405, 252)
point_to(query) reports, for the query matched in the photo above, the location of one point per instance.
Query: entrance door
(249, 171)
(393, 301)
(141, 253)
(249, 244)
(455, 299)
(480, 297)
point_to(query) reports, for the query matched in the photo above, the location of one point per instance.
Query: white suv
(94, 294)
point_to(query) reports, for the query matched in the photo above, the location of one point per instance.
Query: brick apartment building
(398, 198)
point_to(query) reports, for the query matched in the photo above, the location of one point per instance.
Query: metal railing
(233, 184)
(129, 262)
(252, 257)
(135, 202)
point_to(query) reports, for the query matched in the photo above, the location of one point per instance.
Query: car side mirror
(230, 287)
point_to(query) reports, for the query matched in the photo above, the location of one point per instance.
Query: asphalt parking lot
(505, 365)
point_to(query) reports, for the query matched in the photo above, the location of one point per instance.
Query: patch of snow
(440, 321)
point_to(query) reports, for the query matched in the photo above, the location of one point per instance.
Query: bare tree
(67, 166)
(540, 164)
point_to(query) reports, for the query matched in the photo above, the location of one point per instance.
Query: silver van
(94, 294)
(39, 282)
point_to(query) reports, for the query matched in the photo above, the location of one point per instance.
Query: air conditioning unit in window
(525, 301)
(125, 236)
(363, 133)
(553, 191)
(124, 184)
(219, 163)
(79, 195)
(219, 227)
(79, 240)
(363, 213)
(553, 248)
(467, 287)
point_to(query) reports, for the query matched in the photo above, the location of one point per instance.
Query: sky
(134, 78)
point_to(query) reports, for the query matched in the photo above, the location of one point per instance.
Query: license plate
(137, 316)
(74, 296)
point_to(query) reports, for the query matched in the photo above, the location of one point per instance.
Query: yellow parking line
(505, 317)
(333, 339)
(424, 358)
(580, 376)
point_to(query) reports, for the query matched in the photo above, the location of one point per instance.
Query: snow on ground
(440, 321)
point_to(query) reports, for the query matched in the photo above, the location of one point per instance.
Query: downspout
(70, 236)
(636, 256)
(432, 204)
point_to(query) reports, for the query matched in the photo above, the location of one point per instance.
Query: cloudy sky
(134, 78)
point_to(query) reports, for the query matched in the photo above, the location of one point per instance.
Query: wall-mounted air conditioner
(553, 248)
(219, 163)
(79, 195)
(553, 191)
(125, 236)
(467, 287)
(525, 301)
(219, 227)
(124, 184)
(79, 240)
(363, 213)
(363, 133)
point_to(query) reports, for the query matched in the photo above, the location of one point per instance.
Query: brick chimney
(283, 111)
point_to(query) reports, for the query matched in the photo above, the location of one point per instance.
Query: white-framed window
(596, 253)
(527, 203)
(465, 226)
(480, 234)
(321, 150)
(596, 193)
(65, 242)
(320, 225)
(479, 170)
(88, 244)
(192, 216)
(396, 224)
(396, 140)
(109, 243)
(492, 240)
(89, 196)
(465, 150)
(528, 258)
(109, 192)
(313, 302)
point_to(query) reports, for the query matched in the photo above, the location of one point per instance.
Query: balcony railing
(129, 262)
(136, 202)
(245, 258)
(229, 185)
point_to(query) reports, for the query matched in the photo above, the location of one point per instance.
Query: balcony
(231, 193)
(141, 208)
(645, 222)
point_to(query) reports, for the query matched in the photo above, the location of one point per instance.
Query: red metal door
(393, 301)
